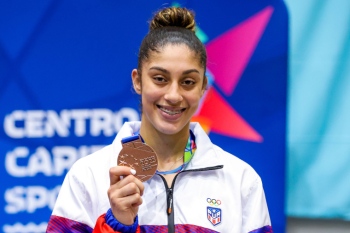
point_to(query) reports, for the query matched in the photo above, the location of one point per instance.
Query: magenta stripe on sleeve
(265, 229)
(64, 225)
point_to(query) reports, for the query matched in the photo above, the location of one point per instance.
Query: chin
(171, 128)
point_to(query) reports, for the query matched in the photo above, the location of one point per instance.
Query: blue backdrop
(65, 91)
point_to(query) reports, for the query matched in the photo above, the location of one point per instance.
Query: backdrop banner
(65, 91)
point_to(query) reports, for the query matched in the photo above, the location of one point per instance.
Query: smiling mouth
(171, 111)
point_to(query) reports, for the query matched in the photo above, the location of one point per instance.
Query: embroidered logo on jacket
(213, 213)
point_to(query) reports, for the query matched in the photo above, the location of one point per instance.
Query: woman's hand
(124, 194)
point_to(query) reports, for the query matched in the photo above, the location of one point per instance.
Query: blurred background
(318, 138)
(278, 70)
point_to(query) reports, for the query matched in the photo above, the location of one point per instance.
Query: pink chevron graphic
(228, 56)
(227, 121)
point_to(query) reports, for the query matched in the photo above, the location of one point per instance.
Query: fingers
(115, 173)
(126, 202)
(129, 186)
(124, 193)
(127, 173)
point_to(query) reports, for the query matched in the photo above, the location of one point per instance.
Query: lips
(171, 111)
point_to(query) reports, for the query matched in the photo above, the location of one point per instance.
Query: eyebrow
(167, 72)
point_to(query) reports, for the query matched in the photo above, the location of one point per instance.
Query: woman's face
(171, 87)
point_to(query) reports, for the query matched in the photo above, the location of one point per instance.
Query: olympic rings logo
(213, 202)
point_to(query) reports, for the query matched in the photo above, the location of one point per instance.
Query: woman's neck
(168, 147)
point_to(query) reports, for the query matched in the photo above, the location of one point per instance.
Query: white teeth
(171, 112)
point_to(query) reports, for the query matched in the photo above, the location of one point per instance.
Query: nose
(173, 94)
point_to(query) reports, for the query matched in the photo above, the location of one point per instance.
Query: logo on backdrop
(228, 56)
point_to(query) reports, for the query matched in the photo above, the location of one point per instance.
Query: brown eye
(188, 82)
(159, 79)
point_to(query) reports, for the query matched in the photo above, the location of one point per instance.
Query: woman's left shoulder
(233, 163)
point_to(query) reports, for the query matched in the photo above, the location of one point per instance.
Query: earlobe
(136, 81)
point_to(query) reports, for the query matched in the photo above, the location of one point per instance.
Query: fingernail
(133, 171)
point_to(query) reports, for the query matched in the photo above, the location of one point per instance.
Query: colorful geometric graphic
(228, 56)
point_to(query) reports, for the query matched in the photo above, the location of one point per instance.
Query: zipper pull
(170, 201)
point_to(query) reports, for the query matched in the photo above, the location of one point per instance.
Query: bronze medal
(140, 157)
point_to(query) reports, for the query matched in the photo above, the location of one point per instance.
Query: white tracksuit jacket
(212, 174)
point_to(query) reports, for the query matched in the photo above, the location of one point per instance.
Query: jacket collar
(205, 155)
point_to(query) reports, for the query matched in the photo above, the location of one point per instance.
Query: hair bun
(175, 17)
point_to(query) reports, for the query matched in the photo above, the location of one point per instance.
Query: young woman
(198, 187)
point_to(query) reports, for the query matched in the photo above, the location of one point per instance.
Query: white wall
(300, 225)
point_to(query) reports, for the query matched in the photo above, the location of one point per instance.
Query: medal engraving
(140, 157)
(148, 163)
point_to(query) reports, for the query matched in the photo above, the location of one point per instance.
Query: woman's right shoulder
(101, 159)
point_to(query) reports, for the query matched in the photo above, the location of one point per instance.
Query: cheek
(195, 98)
(150, 96)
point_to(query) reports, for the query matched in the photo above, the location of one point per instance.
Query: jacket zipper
(169, 194)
